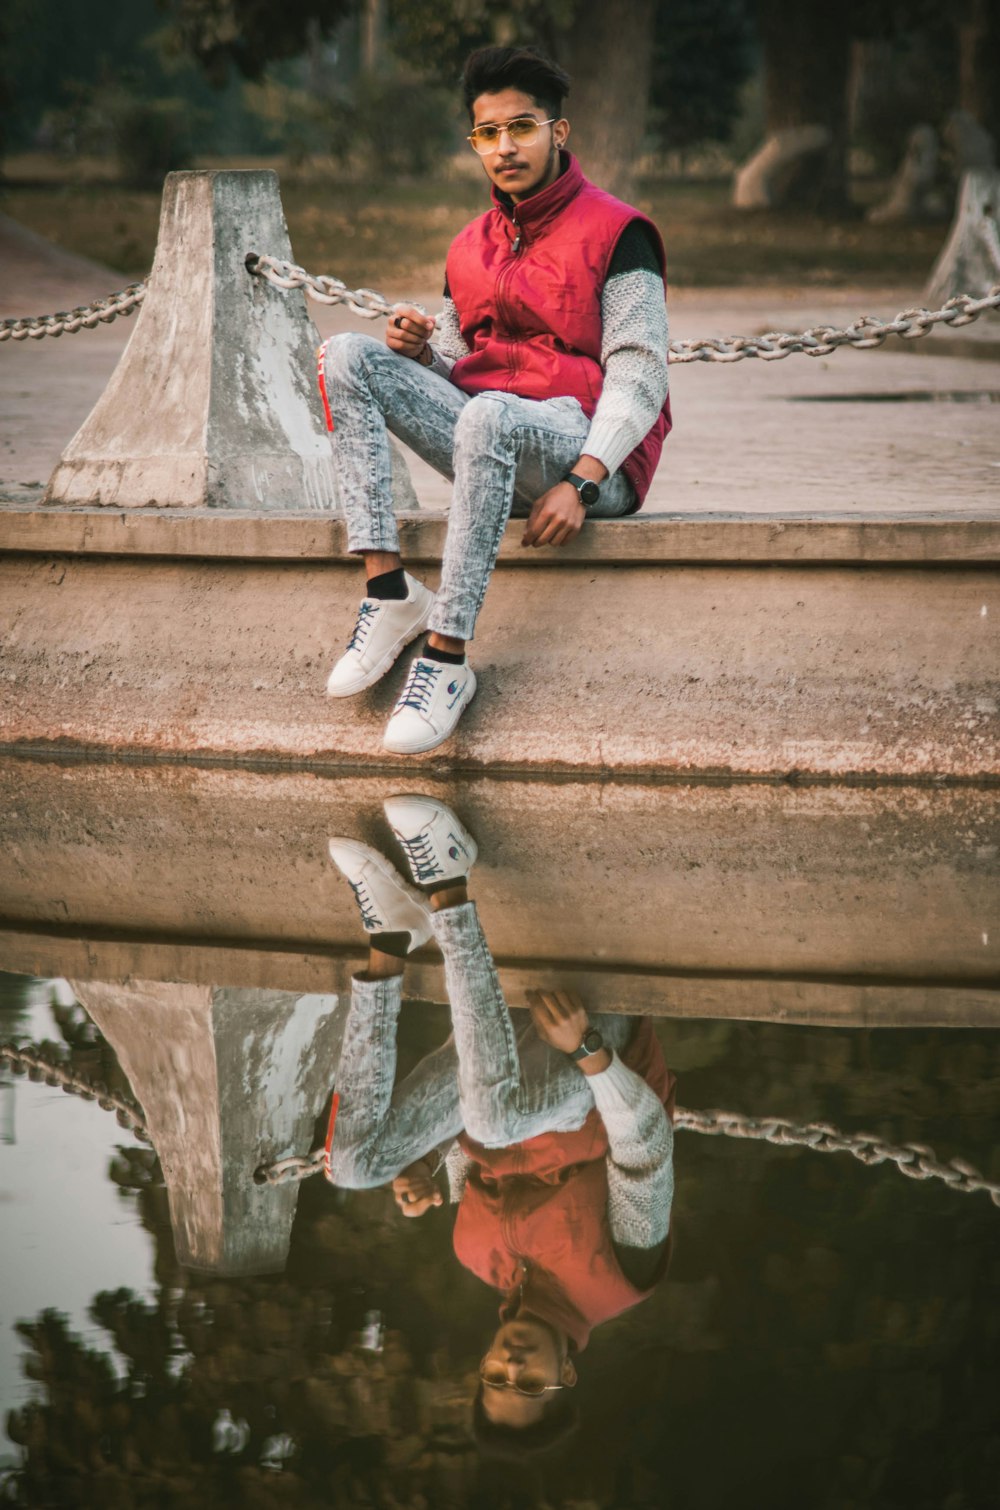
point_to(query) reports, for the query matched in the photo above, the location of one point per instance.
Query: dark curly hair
(490, 69)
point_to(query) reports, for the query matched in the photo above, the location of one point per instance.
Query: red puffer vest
(527, 282)
(533, 1222)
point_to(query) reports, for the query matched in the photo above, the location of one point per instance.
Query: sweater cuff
(606, 443)
(440, 363)
(614, 1086)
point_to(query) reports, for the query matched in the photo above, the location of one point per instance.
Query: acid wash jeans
(496, 1079)
(500, 451)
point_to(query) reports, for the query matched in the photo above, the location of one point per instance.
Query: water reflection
(833, 1326)
(554, 1129)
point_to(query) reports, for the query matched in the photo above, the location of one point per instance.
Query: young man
(555, 1127)
(542, 390)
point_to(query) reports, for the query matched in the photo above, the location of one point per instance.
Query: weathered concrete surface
(692, 669)
(819, 904)
(214, 401)
(968, 260)
(228, 1079)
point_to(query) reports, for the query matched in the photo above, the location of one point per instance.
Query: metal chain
(84, 317)
(864, 333)
(24, 1060)
(916, 1160)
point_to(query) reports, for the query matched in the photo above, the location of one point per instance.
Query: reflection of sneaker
(387, 903)
(429, 706)
(384, 627)
(436, 846)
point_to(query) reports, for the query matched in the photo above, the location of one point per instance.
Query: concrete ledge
(647, 538)
(845, 1004)
(656, 894)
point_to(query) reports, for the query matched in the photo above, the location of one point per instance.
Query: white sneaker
(429, 706)
(436, 845)
(387, 903)
(384, 627)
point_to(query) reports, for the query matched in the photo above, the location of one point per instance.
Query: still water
(714, 1317)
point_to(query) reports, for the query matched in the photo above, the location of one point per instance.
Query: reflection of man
(555, 1132)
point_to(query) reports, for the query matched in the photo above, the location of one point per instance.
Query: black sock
(389, 585)
(396, 944)
(430, 887)
(448, 657)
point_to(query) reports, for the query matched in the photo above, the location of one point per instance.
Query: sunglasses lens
(485, 138)
(523, 131)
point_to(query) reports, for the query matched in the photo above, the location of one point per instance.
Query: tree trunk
(609, 57)
(979, 63)
(806, 63)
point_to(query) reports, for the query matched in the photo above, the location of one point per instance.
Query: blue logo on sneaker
(452, 687)
(455, 691)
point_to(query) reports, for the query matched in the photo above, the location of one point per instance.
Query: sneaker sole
(435, 739)
(386, 663)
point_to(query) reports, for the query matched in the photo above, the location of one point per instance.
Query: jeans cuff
(377, 993)
(456, 927)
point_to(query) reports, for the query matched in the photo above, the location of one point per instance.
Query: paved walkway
(912, 429)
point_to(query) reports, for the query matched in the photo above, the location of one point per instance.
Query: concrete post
(228, 1079)
(214, 402)
(969, 262)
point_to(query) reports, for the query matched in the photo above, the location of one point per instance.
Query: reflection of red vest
(533, 1221)
(531, 317)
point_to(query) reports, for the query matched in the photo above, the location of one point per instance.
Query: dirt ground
(911, 429)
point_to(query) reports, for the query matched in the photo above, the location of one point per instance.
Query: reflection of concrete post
(214, 401)
(228, 1079)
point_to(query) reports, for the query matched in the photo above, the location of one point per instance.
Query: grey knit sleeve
(640, 1156)
(448, 343)
(457, 1165)
(634, 358)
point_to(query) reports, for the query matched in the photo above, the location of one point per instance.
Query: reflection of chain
(915, 1160)
(27, 1061)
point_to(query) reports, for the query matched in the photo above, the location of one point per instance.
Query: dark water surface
(172, 1333)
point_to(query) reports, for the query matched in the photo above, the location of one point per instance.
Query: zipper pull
(516, 247)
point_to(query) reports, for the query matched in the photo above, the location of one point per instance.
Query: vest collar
(535, 213)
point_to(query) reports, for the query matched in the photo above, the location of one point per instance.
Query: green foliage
(437, 36)
(247, 35)
(703, 54)
(395, 122)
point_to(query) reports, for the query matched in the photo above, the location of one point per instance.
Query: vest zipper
(515, 249)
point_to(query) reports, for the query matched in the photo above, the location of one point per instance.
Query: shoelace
(370, 920)
(419, 687)
(366, 618)
(422, 857)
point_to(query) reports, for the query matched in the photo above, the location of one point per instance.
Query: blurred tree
(247, 35)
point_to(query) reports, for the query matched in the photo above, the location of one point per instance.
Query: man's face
(517, 169)
(524, 1352)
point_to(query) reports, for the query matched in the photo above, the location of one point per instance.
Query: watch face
(592, 1041)
(589, 493)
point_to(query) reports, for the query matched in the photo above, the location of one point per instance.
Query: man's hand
(556, 518)
(408, 332)
(560, 1018)
(414, 1191)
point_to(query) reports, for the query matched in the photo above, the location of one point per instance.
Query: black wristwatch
(593, 1043)
(589, 491)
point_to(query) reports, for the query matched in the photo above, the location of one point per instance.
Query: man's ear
(560, 132)
(567, 1374)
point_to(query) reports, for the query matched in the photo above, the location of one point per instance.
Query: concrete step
(829, 647)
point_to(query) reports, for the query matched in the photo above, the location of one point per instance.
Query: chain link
(25, 1060)
(84, 317)
(916, 1160)
(864, 334)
